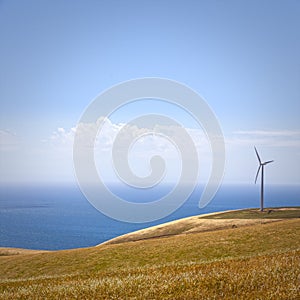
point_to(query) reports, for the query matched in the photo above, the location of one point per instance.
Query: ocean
(60, 217)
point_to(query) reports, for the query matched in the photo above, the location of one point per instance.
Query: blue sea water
(60, 217)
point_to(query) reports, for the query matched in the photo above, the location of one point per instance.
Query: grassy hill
(203, 257)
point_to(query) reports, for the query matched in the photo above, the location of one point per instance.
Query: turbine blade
(268, 162)
(257, 173)
(257, 155)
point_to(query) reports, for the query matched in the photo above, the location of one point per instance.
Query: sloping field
(254, 261)
(210, 222)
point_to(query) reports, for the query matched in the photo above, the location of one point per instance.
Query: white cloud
(62, 137)
(53, 157)
(269, 133)
(238, 145)
(144, 144)
(145, 140)
(279, 138)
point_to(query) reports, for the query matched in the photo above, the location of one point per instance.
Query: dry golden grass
(274, 276)
(210, 222)
(261, 261)
(17, 251)
(267, 214)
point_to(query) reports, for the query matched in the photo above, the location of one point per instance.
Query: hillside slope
(260, 261)
(210, 222)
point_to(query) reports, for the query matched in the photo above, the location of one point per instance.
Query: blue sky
(243, 57)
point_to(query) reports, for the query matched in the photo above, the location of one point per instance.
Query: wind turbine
(261, 166)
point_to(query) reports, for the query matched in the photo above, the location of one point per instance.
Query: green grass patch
(268, 213)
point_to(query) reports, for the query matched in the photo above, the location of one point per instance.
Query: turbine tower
(261, 166)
